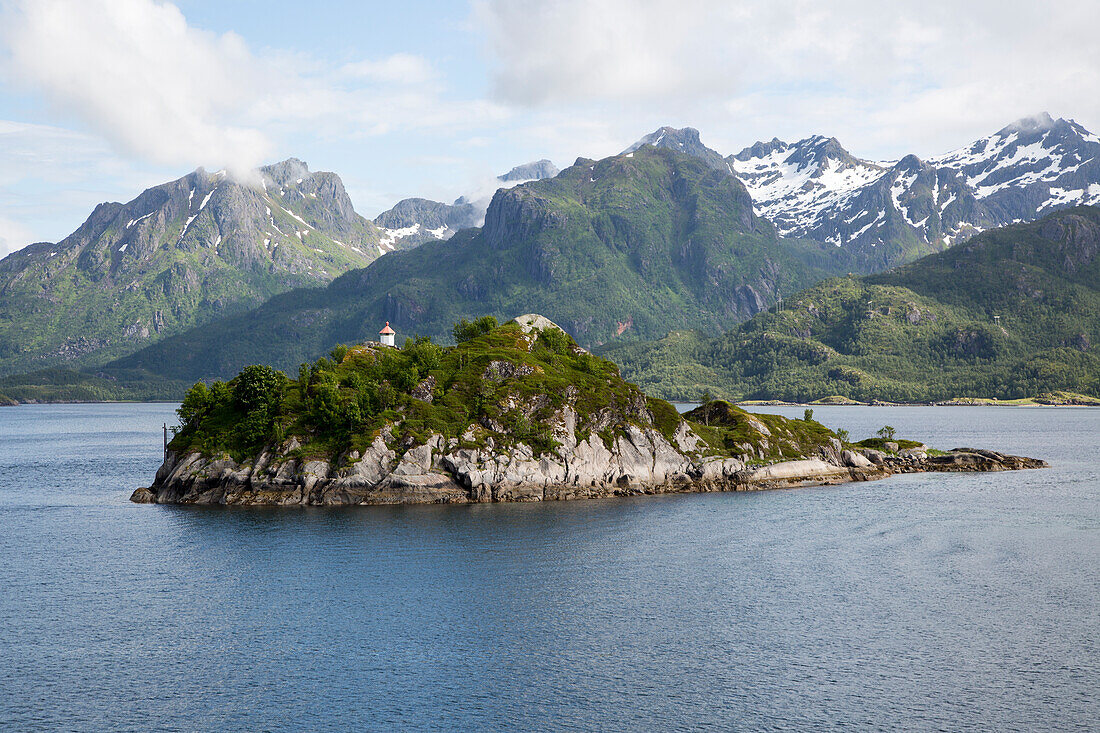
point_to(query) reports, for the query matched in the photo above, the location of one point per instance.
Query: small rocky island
(513, 412)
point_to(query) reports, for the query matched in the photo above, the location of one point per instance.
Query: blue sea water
(948, 602)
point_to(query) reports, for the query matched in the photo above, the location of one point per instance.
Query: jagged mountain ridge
(684, 140)
(893, 212)
(414, 221)
(177, 255)
(411, 222)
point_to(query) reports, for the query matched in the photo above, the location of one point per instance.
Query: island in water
(512, 412)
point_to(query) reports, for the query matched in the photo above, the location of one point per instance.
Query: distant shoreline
(15, 403)
(1080, 401)
(958, 402)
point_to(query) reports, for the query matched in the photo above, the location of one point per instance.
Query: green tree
(707, 399)
(339, 351)
(887, 432)
(303, 379)
(464, 330)
(220, 393)
(196, 404)
(259, 388)
(258, 392)
(325, 409)
(807, 414)
(556, 340)
(423, 354)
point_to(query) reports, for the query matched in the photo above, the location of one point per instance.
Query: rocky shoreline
(440, 472)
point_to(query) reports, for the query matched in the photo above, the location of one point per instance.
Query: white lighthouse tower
(386, 335)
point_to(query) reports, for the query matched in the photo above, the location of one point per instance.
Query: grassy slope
(928, 333)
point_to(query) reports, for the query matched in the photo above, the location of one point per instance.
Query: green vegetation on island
(517, 412)
(499, 384)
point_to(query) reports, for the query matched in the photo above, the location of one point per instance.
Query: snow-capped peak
(1033, 150)
(796, 184)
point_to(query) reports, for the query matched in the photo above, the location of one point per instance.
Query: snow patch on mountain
(206, 199)
(797, 185)
(815, 189)
(140, 218)
(390, 236)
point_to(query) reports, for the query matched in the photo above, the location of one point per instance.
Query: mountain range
(631, 245)
(667, 235)
(892, 212)
(189, 251)
(1012, 313)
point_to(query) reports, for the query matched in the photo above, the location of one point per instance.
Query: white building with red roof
(386, 335)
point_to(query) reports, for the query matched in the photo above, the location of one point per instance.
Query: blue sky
(100, 99)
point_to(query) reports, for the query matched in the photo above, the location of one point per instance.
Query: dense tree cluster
(498, 378)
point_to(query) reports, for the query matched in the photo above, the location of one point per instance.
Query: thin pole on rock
(165, 441)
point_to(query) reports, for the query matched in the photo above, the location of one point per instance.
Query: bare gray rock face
(425, 391)
(855, 460)
(639, 460)
(876, 457)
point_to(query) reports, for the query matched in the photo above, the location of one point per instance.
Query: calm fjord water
(919, 602)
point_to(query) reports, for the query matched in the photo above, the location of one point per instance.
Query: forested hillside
(1012, 313)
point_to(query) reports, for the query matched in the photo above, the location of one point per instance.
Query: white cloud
(154, 97)
(576, 51)
(168, 93)
(139, 75)
(32, 152)
(916, 76)
(13, 236)
(399, 68)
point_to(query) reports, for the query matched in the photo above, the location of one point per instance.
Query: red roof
(387, 330)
